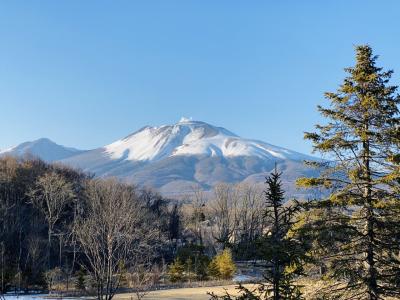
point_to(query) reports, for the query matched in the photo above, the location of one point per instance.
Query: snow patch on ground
(243, 278)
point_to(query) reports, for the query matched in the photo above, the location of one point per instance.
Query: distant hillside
(42, 148)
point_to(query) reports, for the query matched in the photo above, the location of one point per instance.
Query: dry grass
(311, 290)
(185, 293)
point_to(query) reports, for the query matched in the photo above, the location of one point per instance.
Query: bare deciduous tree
(250, 216)
(141, 277)
(224, 213)
(194, 213)
(50, 195)
(111, 233)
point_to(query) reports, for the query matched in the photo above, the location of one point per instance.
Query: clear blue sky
(85, 73)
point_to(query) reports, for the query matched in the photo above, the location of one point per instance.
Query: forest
(65, 230)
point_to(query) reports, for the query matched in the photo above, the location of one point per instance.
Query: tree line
(62, 225)
(56, 220)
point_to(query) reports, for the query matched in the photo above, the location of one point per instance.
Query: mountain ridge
(44, 148)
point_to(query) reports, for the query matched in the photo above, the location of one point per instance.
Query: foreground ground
(199, 293)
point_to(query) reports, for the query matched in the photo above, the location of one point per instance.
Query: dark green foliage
(174, 223)
(357, 227)
(80, 283)
(279, 248)
(247, 249)
(198, 260)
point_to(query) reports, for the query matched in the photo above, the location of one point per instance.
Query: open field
(199, 293)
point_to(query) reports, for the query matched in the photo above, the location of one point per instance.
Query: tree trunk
(50, 232)
(276, 259)
(2, 268)
(372, 281)
(371, 268)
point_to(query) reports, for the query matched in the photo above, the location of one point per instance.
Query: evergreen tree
(279, 248)
(198, 260)
(176, 271)
(361, 142)
(174, 223)
(80, 283)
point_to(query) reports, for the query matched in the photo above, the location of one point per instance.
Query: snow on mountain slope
(42, 148)
(174, 158)
(192, 138)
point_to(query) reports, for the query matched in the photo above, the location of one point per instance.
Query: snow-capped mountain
(174, 158)
(42, 148)
(192, 138)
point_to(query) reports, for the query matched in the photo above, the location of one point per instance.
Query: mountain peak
(191, 138)
(185, 120)
(43, 148)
